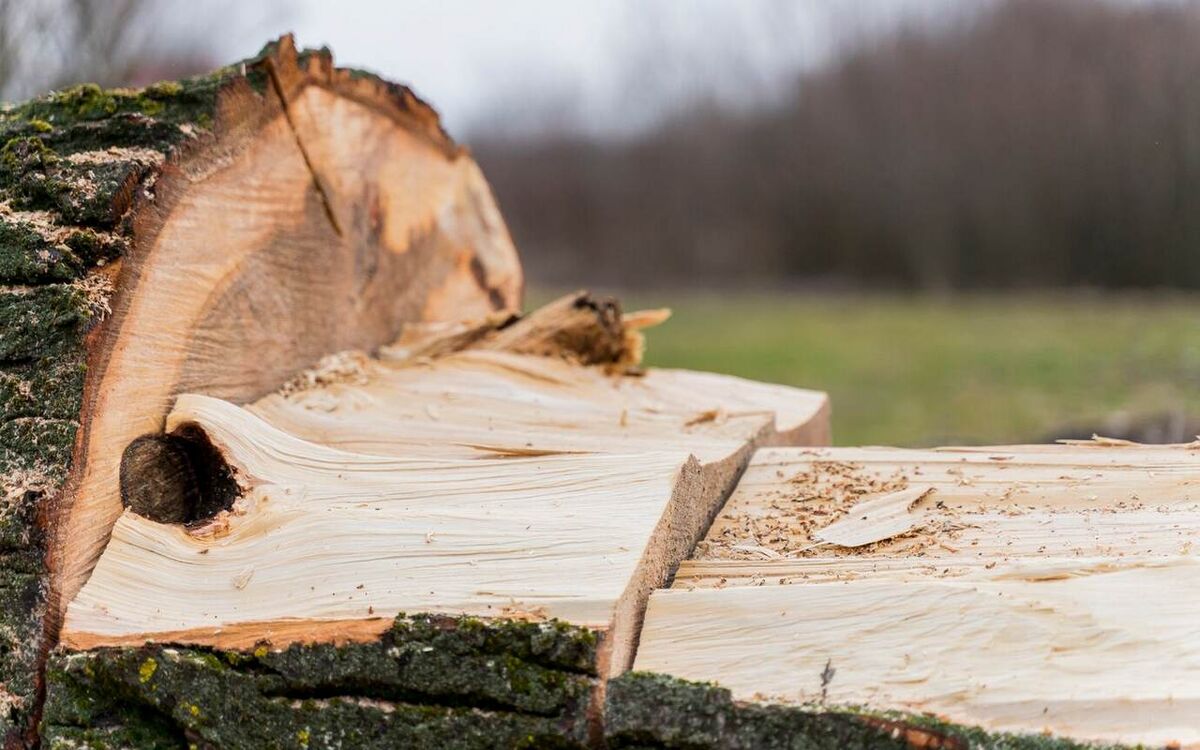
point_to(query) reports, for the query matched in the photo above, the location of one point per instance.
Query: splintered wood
(1028, 588)
(480, 481)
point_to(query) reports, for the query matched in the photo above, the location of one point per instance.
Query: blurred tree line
(1036, 144)
(49, 44)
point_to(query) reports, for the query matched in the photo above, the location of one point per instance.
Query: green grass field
(918, 371)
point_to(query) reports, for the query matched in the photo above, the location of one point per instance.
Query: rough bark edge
(42, 330)
(447, 683)
(431, 681)
(645, 710)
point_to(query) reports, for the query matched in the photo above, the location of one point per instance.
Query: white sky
(605, 65)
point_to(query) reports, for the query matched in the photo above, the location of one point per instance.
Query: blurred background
(969, 221)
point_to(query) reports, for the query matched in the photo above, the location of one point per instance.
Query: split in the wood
(578, 327)
(1026, 589)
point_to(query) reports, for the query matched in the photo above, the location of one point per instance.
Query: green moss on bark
(429, 682)
(644, 710)
(29, 257)
(447, 660)
(553, 644)
(72, 163)
(83, 152)
(41, 382)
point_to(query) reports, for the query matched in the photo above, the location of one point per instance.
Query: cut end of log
(214, 235)
(342, 212)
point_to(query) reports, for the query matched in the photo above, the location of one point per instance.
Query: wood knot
(176, 478)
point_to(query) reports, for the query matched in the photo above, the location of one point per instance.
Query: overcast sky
(605, 64)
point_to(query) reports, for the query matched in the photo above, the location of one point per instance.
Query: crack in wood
(326, 203)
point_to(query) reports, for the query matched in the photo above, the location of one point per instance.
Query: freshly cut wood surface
(481, 403)
(481, 482)
(332, 535)
(341, 212)
(1032, 588)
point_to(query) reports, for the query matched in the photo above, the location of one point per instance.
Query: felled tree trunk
(270, 315)
(285, 467)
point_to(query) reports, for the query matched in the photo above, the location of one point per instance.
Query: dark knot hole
(176, 478)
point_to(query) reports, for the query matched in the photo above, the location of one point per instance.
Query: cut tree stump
(285, 466)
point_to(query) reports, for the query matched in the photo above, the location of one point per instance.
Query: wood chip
(877, 519)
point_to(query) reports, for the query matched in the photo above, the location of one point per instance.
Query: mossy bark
(429, 682)
(645, 710)
(446, 683)
(41, 378)
(71, 165)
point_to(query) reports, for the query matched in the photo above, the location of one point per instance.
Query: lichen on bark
(72, 163)
(428, 682)
(645, 710)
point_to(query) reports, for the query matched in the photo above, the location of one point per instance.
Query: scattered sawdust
(788, 522)
(17, 484)
(804, 503)
(343, 367)
(143, 156)
(515, 611)
(46, 224)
